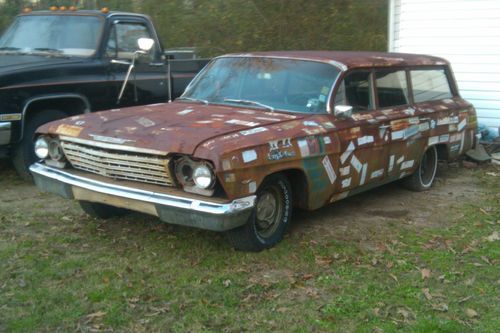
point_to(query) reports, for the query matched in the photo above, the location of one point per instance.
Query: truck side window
(355, 90)
(430, 85)
(392, 89)
(122, 42)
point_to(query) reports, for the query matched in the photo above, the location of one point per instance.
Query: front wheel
(270, 217)
(423, 177)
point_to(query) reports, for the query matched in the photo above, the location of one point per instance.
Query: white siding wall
(465, 32)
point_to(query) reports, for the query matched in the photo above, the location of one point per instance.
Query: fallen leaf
(307, 276)
(427, 294)
(465, 299)
(226, 283)
(442, 307)
(471, 313)
(394, 277)
(486, 260)
(323, 261)
(426, 273)
(493, 237)
(96, 314)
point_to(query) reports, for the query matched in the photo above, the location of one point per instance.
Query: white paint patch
(252, 187)
(253, 131)
(346, 182)
(249, 156)
(452, 128)
(433, 140)
(413, 120)
(345, 170)
(310, 123)
(400, 160)
(246, 111)
(145, 122)
(444, 138)
(397, 135)
(204, 122)
(328, 124)
(242, 122)
(184, 112)
(226, 165)
(268, 119)
(391, 163)
(403, 174)
(340, 196)
(424, 127)
(356, 164)
(407, 164)
(79, 122)
(377, 173)
(443, 121)
(365, 139)
(304, 148)
(327, 140)
(363, 174)
(347, 152)
(462, 124)
(329, 169)
(411, 131)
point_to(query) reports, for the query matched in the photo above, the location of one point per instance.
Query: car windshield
(267, 83)
(66, 35)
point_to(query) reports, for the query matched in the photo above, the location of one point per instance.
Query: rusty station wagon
(256, 134)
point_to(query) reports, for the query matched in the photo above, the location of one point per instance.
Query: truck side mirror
(343, 111)
(145, 44)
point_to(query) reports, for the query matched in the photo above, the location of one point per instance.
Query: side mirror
(145, 44)
(343, 111)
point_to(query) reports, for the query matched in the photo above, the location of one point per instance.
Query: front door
(148, 81)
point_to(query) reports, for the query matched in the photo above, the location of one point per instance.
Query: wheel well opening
(442, 152)
(298, 182)
(70, 106)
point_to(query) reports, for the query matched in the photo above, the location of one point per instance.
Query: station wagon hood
(175, 127)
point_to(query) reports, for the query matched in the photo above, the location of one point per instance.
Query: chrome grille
(118, 164)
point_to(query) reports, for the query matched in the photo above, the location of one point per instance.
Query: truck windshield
(68, 35)
(268, 83)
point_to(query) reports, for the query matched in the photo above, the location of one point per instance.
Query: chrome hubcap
(268, 212)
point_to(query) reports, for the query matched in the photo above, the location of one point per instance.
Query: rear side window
(392, 89)
(430, 85)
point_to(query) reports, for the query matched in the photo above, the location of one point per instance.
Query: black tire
(101, 211)
(423, 177)
(270, 217)
(24, 152)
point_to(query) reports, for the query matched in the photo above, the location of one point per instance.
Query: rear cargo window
(392, 89)
(430, 85)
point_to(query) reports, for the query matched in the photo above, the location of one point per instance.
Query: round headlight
(203, 176)
(55, 150)
(42, 147)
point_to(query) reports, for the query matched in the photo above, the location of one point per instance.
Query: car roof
(352, 59)
(80, 12)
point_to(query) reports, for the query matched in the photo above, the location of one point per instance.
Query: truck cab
(60, 63)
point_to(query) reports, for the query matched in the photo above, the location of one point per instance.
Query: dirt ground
(356, 217)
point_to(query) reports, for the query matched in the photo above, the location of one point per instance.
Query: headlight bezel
(185, 168)
(41, 147)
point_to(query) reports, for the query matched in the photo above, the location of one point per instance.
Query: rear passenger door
(363, 137)
(394, 103)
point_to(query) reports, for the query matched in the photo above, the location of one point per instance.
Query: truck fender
(81, 98)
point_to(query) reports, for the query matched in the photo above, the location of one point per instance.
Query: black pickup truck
(55, 64)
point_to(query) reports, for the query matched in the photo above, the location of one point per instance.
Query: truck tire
(270, 217)
(24, 152)
(101, 211)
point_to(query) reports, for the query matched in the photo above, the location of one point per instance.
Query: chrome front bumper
(5, 128)
(169, 208)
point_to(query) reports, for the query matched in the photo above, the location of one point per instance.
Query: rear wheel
(101, 211)
(24, 151)
(423, 177)
(270, 218)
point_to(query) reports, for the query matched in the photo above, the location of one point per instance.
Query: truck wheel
(423, 177)
(24, 151)
(101, 211)
(270, 217)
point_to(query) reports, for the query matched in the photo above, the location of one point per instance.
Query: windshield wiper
(247, 102)
(194, 99)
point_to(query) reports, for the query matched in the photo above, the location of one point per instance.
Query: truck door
(148, 81)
